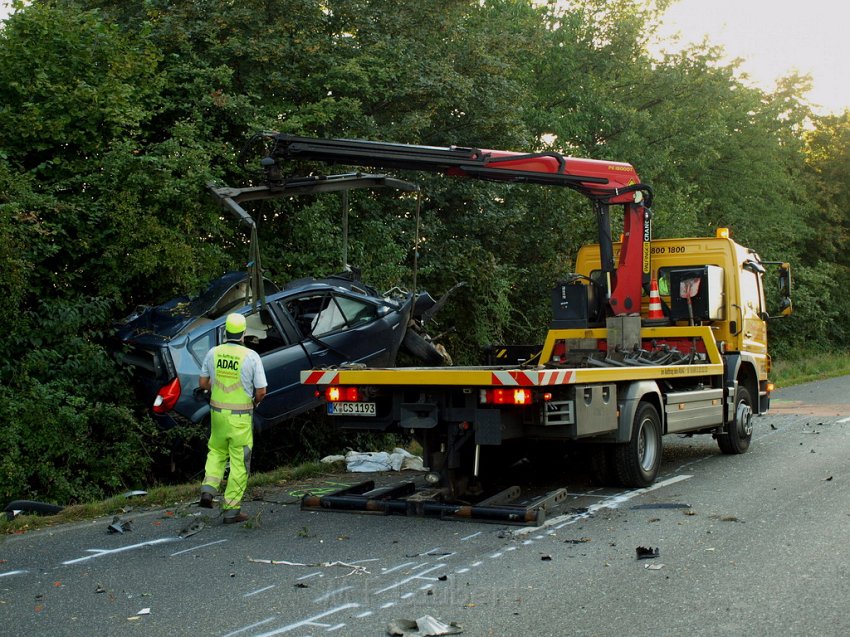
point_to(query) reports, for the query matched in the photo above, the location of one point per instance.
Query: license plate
(351, 409)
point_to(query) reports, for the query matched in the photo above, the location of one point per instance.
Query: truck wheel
(637, 461)
(737, 439)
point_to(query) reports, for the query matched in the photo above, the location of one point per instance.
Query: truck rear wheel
(638, 460)
(737, 439)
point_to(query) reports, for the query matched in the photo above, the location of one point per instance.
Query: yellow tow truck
(673, 340)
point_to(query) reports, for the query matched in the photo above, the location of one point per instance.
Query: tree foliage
(115, 115)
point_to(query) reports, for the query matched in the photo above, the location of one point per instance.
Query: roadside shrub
(72, 433)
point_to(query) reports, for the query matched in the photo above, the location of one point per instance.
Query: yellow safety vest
(227, 389)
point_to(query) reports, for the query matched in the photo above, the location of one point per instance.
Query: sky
(773, 37)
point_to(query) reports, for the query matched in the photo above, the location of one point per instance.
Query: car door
(338, 328)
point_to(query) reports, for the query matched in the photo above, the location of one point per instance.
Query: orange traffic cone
(655, 311)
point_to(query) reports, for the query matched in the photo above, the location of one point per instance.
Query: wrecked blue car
(309, 323)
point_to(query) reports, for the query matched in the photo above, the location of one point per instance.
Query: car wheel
(418, 346)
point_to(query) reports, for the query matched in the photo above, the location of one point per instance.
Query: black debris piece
(120, 526)
(647, 552)
(546, 558)
(16, 507)
(193, 527)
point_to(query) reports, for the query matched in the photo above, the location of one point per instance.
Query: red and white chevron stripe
(322, 378)
(532, 378)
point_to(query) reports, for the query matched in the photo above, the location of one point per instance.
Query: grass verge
(157, 497)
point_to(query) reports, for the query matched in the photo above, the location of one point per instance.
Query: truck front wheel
(637, 461)
(737, 439)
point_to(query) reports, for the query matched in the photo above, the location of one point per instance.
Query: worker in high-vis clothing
(237, 381)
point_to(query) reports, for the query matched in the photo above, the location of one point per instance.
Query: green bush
(72, 433)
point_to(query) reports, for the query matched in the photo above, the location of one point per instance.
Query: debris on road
(190, 529)
(581, 540)
(130, 494)
(647, 552)
(354, 567)
(653, 567)
(16, 507)
(425, 626)
(374, 461)
(119, 526)
(546, 558)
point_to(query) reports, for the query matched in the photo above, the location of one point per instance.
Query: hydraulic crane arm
(604, 182)
(615, 182)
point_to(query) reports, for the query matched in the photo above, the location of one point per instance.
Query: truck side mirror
(784, 271)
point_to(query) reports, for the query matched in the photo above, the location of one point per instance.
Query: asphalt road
(747, 545)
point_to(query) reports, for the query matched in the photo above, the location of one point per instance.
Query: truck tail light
(167, 397)
(338, 394)
(511, 396)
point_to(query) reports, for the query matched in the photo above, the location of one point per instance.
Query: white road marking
(195, 548)
(330, 594)
(103, 552)
(12, 573)
(259, 590)
(411, 578)
(612, 502)
(247, 628)
(842, 421)
(469, 537)
(310, 621)
(396, 568)
(309, 575)
(365, 613)
(418, 566)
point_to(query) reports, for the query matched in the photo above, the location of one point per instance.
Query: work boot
(235, 519)
(206, 501)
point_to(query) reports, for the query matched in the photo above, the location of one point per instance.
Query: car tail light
(167, 397)
(512, 396)
(337, 394)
